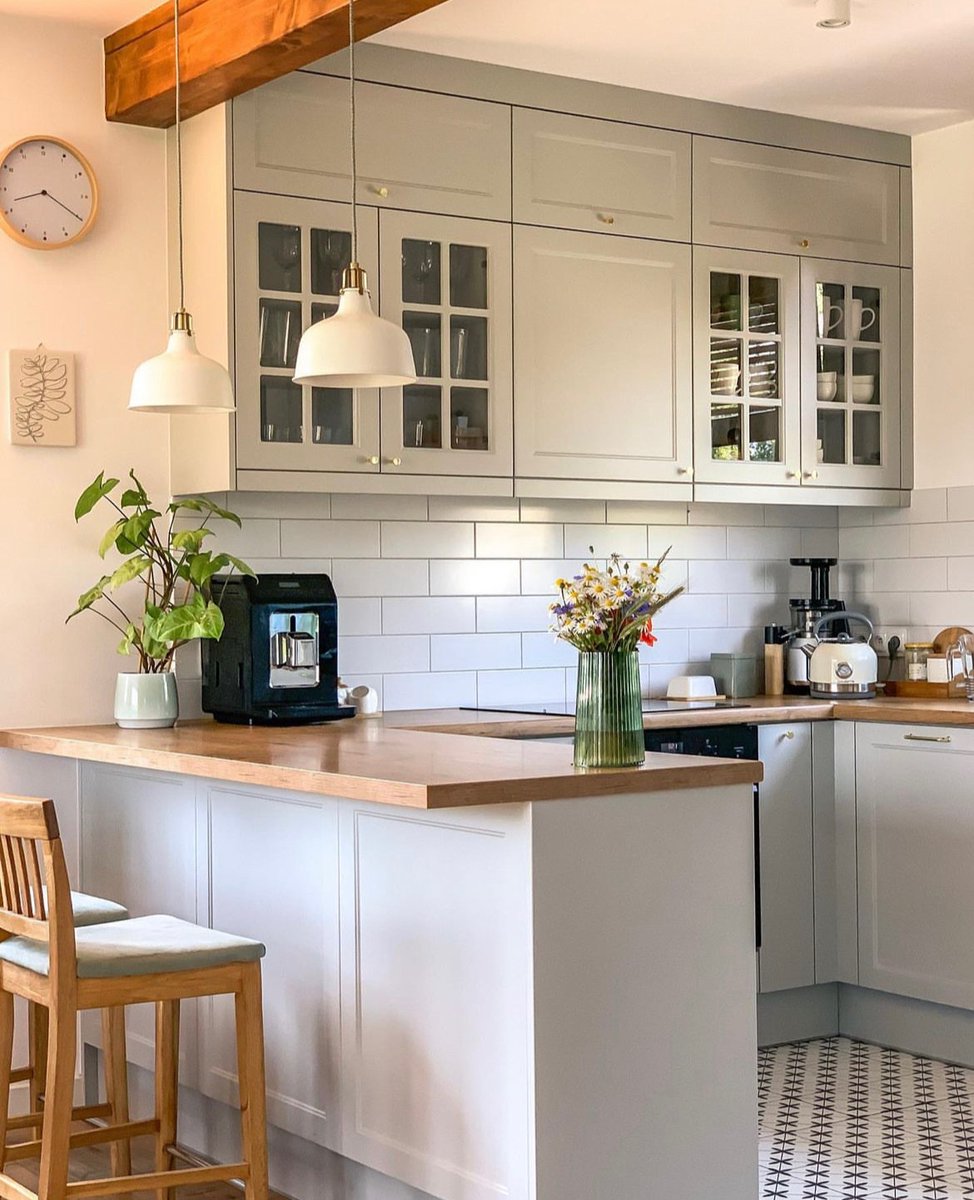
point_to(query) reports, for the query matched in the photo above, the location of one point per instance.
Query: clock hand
(30, 196)
(64, 206)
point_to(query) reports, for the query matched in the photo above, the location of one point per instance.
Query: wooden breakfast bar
(488, 974)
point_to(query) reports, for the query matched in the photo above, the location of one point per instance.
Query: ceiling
(906, 65)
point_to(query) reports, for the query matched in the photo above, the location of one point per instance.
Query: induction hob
(558, 708)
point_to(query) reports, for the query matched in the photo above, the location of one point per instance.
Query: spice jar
(917, 654)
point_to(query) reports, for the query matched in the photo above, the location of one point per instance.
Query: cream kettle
(842, 665)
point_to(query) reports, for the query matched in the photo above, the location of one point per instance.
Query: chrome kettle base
(844, 691)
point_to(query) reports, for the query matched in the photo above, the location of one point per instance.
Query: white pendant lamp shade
(181, 379)
(354, 348)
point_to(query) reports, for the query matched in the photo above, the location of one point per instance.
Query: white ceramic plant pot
(146, 701)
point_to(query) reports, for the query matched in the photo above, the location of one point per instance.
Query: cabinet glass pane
(469, 415)
(725, 300)
(280, 332)
(830, 375)
(764, 433)
(763, 309)
(332, 416)
(763, 370)
(866, 315)
(468, 276)
(280, 409)
(725, 430)
(320, 311)
(866, 444)
(421, 416)
(865, 376)
(420, 272)
(331, 252)
(725, 367)
(468, 347)
(830, 446)
(829, 309)
(424, 333)
(279, 257)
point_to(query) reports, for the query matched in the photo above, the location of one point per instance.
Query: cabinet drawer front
(791, 201)
(915, 834)
(417, 150)
(602, 357)
(579, 173)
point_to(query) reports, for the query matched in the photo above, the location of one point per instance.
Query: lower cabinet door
(787, 956)
(273, 876)
(915, 825)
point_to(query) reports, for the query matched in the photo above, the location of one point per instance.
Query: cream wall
(943, 236)
(105, 299)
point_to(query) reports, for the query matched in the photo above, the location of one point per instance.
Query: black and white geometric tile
(843, 1120)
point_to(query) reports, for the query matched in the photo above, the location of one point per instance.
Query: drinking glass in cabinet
(420, 272)
(830, 382)
(469, 414)
(866, 444)
(829, 314)
(424, 332)
(763, 370)
(468, 347)
(331, 252)
(468, 277)
(830, 446)
(725, 431)
(866, 375)
(280, 409)
(725, 367)
(280, 332)
(332, 419)
(421, 416)
(725, 300)
(763, 314)
(279, 257)
(764, 433)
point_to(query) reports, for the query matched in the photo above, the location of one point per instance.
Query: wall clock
(48, 193)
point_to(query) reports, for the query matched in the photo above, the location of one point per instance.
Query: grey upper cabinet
(602, 357)
(764, 198)
(416, 150)
(581, 173)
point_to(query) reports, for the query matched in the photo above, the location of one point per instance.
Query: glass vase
(609, 710)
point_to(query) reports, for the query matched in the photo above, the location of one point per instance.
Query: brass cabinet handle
(811, 474)
(381, 190)
(372, 460)
(606, 218)
(789, 734)
(685, 471)
(944, 740)
(793, 475)
(804, 243)
(394, 462)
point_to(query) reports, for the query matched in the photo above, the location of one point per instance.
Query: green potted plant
(175, 574)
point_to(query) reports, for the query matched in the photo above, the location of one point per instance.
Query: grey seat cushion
(93, 910)
(139, 946)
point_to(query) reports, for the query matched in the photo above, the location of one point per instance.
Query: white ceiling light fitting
(181, 379)
(354, 348)
(833, 14)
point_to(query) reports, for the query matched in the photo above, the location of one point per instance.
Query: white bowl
(863, 388)
(826, 389)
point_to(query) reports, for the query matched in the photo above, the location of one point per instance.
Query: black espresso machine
(277, 661)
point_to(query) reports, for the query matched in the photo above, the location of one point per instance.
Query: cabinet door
(580, 173)
(448, 283)
(747, 376)
(850, 375)
(915, 824)
(787, 956)
(792, 202)
(416, 150)
(273, 872)
(288, 263)
(602, 357)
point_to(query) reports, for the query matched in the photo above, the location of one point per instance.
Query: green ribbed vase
(609, 710)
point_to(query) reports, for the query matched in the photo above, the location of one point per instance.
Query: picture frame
(42, 398)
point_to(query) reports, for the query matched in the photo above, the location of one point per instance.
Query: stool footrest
(87, 1137)
(84, 1112)
(21, 1074)
(157, 1179)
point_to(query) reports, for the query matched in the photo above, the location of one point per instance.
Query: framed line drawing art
(42, 398)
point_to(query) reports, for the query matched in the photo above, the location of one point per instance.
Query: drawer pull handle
(789, 734)
(926, 737)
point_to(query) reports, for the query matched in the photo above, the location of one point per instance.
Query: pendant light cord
(351, 86)
(179, 161)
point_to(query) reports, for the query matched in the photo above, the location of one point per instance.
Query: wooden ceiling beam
(228, 47)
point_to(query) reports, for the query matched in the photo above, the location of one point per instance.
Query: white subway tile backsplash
(699, 541)
(692, 612)
(473, 577)
(568, 512)
(290, 566)
(461, 508)
(338, 539)
(439, 689)
(381, 577)
(599, 541)
(802, 516)
(927, 505)
(942, 609)
(429, 614)
(820, 543)
(279, 504)
(671, 646)
(427, 539)
(960, 504)
(726, 514)
(910, 575)
(362, 615)
(531, 686)
(732, 640)
(513, 614)
(385, 655)
(774, 543)
(545, 650)
(538, 575)
(258, 538)
(960, 574)
(378, 508)
(890, 541)
(946, 539)
(855, 516)
(474, 651)
(726, 576)
(647, 512)
(885, 608)
(520, 541)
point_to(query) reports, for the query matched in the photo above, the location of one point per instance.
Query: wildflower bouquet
(610, 609)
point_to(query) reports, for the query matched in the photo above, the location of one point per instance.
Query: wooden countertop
(374, 760)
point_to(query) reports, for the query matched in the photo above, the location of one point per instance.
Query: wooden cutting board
(947, 637)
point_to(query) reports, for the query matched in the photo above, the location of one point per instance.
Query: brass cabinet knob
(804, 243)
(395, 462)
(789, 734)
(685, 471)
(381, 190)
(606, 218)
(372, 460)
(811, 474)
(793, 475)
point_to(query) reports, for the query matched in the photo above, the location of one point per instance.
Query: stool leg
(58, 1101)
(37, 1035)
(6, 1054)
(167, 1084)
(250, 1072)
(116, 1084)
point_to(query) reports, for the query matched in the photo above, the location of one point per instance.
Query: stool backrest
(35, 896)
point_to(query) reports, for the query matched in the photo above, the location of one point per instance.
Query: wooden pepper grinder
(774, 660)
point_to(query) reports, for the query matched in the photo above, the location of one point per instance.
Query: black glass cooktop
(561, 709)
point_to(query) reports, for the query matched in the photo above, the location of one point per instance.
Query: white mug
(860, 319)
(365, 699)
(827, 323)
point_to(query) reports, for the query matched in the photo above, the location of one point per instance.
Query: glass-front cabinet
(447, 281)
(747, 375)
(851, 374)
(289, 258)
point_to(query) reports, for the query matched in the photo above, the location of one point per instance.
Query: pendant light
(354, 348)
(181, 379)
(833, 14)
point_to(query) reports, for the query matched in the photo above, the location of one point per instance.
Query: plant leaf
(136, 529)
(202, 567)
(132, 499)
(110, 538)
(88, 598)
(189, 621)
(128, 641)
(131, 569)
(95, 491)
(190, 539)
(242, 567)
(200, 504)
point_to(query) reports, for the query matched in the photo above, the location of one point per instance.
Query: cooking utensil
(842, 666)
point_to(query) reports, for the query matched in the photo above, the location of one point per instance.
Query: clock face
(48, 194)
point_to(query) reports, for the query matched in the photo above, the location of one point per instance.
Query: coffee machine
(277, 662)
(806, 612)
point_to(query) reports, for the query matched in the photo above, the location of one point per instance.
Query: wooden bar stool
(156, 960)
